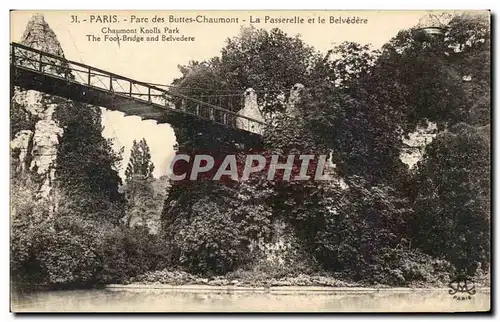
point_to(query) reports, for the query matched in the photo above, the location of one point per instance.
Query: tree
(452, 203)
(470, 42)
(87, 166)
(140, 163)
(336, 114)
(351, 114)
(62, 245)
(211, 234)
(270, 62)
(138, 187)
(440, 80)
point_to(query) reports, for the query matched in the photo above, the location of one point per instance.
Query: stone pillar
(294, 99)
(250, 99)
(250, 109)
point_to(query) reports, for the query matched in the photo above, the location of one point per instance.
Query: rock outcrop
(40, 36)
(416, 143)
(251, 110)
(37, 145)
(294, 100)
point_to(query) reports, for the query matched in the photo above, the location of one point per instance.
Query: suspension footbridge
(38, 70)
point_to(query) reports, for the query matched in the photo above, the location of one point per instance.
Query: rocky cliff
(35, 131)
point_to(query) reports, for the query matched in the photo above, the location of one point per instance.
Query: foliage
(357, 230)
(27, 222)
(362, 102)
(20, 119)
(64, 247)
(44, 250)
(213, 235)
(346, 111)
(129, 252)
(67, 258)
(167, 276)
(452, 203)
(268, 61)
(86, 169)
(358, 106)
(62, 251)
(142, 201)
(360, 229)
(245, 61)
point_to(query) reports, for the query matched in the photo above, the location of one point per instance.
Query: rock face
(37, 145)
(40, 36)
(417, 141)
(294, 99)
(21, 143)
(251, 109)
(277, 251)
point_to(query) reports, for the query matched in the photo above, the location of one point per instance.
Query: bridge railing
(48, 64)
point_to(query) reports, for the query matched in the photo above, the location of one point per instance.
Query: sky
(157, 62)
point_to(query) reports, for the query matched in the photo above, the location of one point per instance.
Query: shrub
(65, 247)
(128, 252)
(43, 254)
(67, 258)
(452, 203)
(211, 242)
(211, 226)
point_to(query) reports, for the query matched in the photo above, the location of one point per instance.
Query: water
(157, 300)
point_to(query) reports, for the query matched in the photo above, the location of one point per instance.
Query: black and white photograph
(265, 161)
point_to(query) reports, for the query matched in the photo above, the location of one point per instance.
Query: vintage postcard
(250, 161)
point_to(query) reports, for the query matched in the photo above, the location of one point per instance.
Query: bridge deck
(54, 75)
